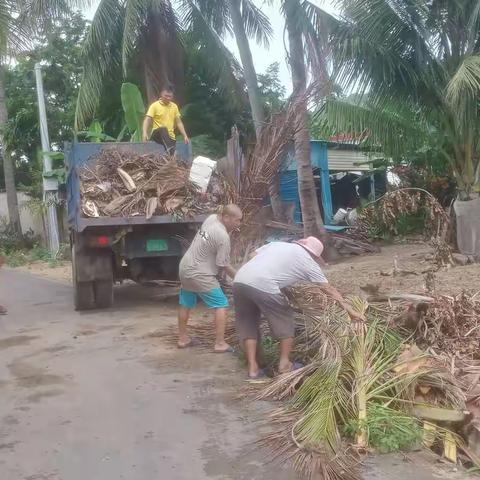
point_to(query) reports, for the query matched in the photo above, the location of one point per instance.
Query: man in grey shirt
(207, 257)
(257, 290)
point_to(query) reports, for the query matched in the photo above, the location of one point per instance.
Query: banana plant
(134, 110)
(95, 133)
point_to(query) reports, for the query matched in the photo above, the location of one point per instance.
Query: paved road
(95, 396)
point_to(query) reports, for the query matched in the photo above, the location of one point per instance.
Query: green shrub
(388, 430)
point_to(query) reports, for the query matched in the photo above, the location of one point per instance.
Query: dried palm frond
(383, 214)
(203, 332)
(313, 461)
(337, 389)
(119, 182)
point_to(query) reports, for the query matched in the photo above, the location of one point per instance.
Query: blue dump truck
(107, 250)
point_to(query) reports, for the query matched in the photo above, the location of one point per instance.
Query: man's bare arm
(147, 126)
(230, 271)
(181, 129)
(332, 292)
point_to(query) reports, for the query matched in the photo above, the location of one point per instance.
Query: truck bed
(83, 222)
(78, 154)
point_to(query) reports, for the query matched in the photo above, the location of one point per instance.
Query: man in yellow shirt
(161, 119)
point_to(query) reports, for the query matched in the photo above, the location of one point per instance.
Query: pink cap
(312, 245)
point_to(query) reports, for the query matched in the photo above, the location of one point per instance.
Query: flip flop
(259, 377)
(230, 349)
(295, 366)
(194, 342)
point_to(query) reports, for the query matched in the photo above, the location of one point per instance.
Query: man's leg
(220, 324)
(281, 319)
(286, 345)
(183, 316)
(187, 301)
(247, 324)
(250, 346)
(216, 299)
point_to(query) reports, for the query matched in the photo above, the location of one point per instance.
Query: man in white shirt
(257, 290)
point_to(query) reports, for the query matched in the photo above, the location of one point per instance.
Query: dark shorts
(161, 136)
(251, 304)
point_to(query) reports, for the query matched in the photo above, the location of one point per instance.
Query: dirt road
(93, 396)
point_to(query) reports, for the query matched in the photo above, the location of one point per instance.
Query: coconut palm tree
(144, 40)
(306, 26)
(415, 65)
(243, 19)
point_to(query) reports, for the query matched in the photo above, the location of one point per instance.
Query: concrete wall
(27, 219)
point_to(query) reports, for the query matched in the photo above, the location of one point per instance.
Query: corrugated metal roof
(347, 160)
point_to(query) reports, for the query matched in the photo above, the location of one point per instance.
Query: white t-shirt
(279, 265)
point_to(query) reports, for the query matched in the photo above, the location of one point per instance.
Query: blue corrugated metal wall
(289, 191)
(289, 179)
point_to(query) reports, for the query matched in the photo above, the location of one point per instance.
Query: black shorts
(251, 303)
(161, 136)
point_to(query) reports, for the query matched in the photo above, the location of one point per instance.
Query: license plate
(157, 245)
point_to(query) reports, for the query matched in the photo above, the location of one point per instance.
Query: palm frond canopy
(198, 28)
(130, 35)
(422, 54)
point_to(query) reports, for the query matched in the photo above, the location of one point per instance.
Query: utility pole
(50, 185)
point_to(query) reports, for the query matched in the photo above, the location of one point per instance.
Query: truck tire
(83, 293)
(103, 293)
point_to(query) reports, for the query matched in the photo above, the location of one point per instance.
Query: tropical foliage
(59, 50)
(416, 67)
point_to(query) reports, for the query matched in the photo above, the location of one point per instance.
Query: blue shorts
(214, 298)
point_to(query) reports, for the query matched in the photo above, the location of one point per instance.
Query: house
(343, 176)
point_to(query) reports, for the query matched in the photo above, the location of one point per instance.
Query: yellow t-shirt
(164, 115)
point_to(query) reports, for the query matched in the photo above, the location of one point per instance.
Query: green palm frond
(385, 50)
(393, 127)
(102, 57)
(217, 58)
(136, 13)
(464, 87)
(256, 23)
(217, 15)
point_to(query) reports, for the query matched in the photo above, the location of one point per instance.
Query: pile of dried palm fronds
(124, 183)
(204, 334)
(358, 380)
(449, 325)
(383, 214)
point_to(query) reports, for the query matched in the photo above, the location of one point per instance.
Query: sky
(276, 53)
(263, 57)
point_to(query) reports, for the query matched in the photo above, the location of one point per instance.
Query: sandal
(194, 342)
(259, 377)
(295, 366)
(230, 349)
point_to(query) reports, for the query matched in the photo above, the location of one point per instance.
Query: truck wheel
(83, 293)
(103, 293)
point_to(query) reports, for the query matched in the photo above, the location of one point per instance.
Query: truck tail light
(99, 241)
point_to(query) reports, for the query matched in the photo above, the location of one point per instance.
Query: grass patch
(17, 257)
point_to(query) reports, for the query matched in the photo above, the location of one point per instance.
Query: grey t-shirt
(209, 251)
(279, 265)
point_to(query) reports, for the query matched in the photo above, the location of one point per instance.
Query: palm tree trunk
(256, 104)
(312, 220)
(8, 167)
(248, 67)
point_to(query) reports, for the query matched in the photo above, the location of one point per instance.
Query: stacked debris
(124, 183)
(381, 217)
